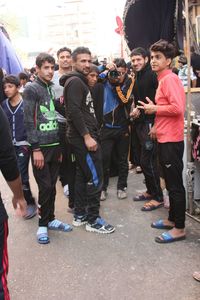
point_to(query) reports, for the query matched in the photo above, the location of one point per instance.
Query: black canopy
(147, 21)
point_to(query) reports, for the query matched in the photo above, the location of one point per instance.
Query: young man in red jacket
(169, 132)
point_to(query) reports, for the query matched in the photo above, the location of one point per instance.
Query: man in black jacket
(9, 169)
(82, 133)
(145, 86)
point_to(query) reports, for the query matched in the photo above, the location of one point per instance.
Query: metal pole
(189, 164)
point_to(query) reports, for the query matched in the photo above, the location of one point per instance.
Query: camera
(113, 76)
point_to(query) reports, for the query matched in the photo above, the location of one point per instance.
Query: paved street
(127, 265)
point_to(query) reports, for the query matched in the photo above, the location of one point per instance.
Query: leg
(23, 157)
(88, 179)
(4, 293)
(107, 143)
(122, 144)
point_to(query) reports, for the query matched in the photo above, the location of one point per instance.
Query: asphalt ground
(126, 265)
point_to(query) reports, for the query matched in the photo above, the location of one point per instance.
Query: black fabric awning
(147, 21)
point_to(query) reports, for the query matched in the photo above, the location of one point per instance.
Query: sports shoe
(79, 220)
(121, 194)
(103, 195)
(100, 226)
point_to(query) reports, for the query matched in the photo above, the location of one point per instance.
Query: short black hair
(43, 57)
(11, 79)
(23, 75)
(64, 49)
(94, 68)
(120, 62)
(139, 51)
(166, 48)
(80, 50)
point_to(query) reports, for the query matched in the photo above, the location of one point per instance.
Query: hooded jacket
(79, 106)
(39, 115)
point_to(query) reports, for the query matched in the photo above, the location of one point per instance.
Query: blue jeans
(23, 157)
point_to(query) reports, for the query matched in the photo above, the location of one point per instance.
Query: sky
(105, 15)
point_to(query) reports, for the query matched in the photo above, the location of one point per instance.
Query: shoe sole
(78, 224)
(90, 229)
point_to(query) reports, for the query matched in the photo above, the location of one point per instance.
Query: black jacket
(146, 84)
(79, 106)
(112, 103)
(8, 161)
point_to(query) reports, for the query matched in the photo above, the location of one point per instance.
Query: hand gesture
(149, 108)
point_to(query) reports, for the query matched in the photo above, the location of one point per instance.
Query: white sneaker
(121, 194)
(103, 195)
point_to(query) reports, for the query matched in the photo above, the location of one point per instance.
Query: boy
(42, 131)
(169, 131)
(13, 106)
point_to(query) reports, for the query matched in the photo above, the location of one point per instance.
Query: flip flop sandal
(151, 207)
(142, 198)
(43, 238)
(59, 226)
(160, 225)
(196, 276)
(167, 238)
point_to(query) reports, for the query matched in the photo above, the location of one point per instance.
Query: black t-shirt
(8, 161)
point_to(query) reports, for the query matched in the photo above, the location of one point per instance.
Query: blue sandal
(160, 225)
(43, 238)
(59, 226)
(167, 238)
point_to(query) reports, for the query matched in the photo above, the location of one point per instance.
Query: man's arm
(30, 116)
(73, 96)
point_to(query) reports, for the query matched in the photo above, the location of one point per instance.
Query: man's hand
(149, 108)
(20, 204)
(135, 113)
(152, 133)
(38, 159)
(90, 143)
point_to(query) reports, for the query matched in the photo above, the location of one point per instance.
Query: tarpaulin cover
(147, 21)
(8, 58)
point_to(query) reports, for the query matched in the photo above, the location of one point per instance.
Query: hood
(64, 78)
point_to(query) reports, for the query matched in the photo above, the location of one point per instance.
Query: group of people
(71, 120)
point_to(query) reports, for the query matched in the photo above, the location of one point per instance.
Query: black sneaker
(100, 226)
(79, 220)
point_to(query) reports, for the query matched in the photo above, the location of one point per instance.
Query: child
(13, 107)
(169, 131)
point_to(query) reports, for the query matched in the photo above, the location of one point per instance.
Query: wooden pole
(189, 164)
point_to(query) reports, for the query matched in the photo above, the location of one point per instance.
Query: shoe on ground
(103, 195)
(79, 220)
(100, 226)
(59, 226)
(31, 211)
(121, 194)
(138, 170)
(66, 190)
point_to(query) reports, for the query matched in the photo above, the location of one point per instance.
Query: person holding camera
(117, 90)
